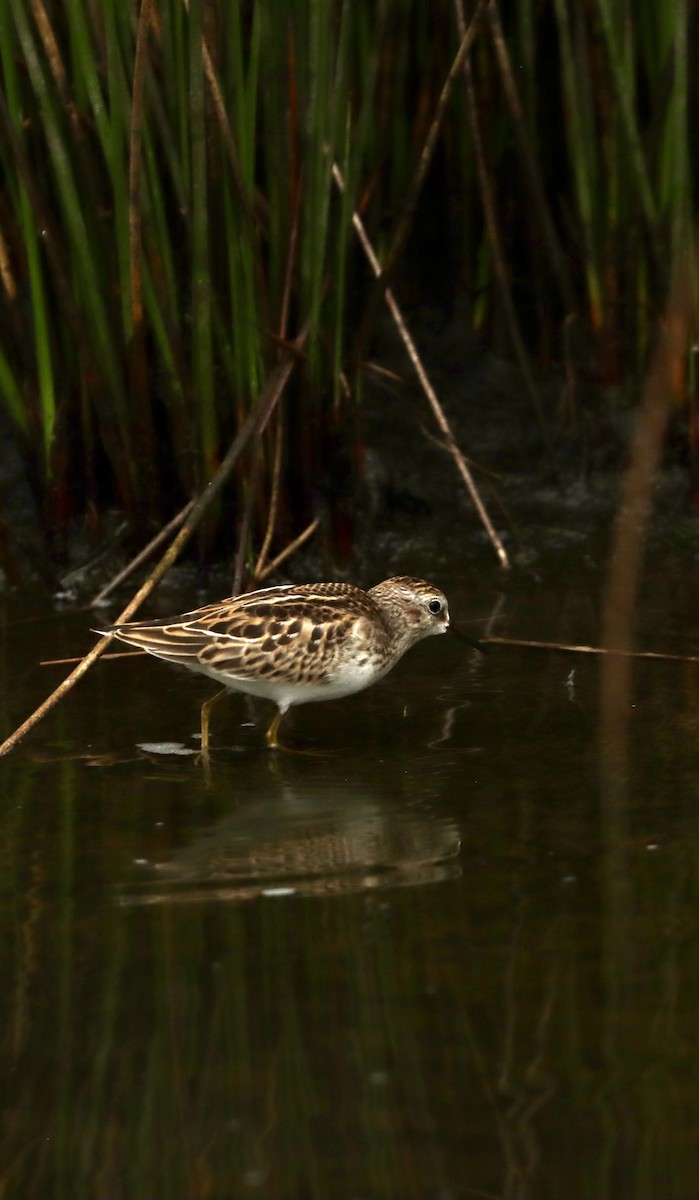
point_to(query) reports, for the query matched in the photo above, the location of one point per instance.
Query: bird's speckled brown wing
(284, 633)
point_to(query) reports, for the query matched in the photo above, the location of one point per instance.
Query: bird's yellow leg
(274, 743)
(206, 708)
(271, 735)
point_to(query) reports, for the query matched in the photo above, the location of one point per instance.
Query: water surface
(454, 953)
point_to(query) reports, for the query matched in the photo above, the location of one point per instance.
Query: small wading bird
(296, 644)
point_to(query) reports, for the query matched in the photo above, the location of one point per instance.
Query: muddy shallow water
(453, 953)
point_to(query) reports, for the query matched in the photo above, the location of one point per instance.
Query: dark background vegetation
(454, 950)
(169, 225)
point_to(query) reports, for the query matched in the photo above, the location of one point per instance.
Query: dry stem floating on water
(528, 644)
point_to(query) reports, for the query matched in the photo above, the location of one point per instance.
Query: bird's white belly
(351, 677)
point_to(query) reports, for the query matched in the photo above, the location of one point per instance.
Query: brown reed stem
(288, 551)
(402, 229)
(427, 388)
(530, 163)
(403, 225)
(492, 228)
(274, 498)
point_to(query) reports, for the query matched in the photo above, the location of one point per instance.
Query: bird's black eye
(435, 606)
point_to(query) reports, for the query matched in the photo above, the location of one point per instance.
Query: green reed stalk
(616, 27)
(68, 194)
(202, 342)
(583, 147)
(245, 323)
(70, 174)
(42, 341)
(674, 170)
(9, 386)
(11, 393)
(241, 236)
(322, 63)
(111, 115)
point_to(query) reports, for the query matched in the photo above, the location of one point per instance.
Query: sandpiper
(295, 644)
